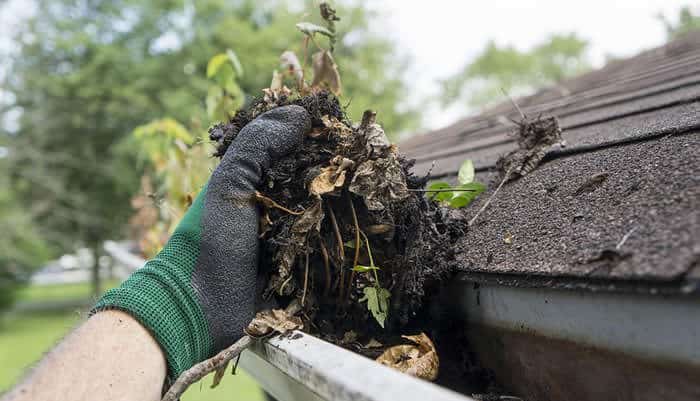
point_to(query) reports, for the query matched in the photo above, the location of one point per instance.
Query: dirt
(347, 176)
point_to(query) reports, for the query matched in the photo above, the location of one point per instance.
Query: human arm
(109, 357)
(197, 295)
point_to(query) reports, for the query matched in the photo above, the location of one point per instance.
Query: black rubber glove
(197, 295)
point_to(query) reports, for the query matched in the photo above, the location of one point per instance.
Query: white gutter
(303, 367)
(662, 328)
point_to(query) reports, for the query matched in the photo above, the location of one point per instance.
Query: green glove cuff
(160, 296)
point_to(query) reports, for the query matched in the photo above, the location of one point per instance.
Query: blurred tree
(687, 21)
(21, 246)
(499, 68)
(87, 72)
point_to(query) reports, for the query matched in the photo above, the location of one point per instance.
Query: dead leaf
(379, 182)
(332, 177)
(373, 343)
(326, 71)
(420, 360)
(309, 220)
(349, 337)
(291, 65)
(341, 133)
(277, 90)
(275, 320)
(377, 143)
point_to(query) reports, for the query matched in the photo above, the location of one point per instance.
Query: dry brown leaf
(326, 71)
(267, 321)
(420, 360)
(332, 177)
(380, 181)
(327, 181)
(349, 337)
(291, 65)
(309, 220)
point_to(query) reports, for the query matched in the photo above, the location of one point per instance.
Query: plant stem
(338, 236)
(326, 265)
(271, 203)
(198, 371)
(488, 201)
(306, 274)
(357, 243)
(442, 190)
(371, 260)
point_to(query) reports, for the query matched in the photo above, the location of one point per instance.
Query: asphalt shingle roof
(635, 123)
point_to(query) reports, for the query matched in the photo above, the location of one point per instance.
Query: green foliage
(460, 195)
(364, 269)
(377, 302)
(687, 21)
(225, 97)
(376, 296)
(85, 74)
(22, 248)
(466, 172)
(499, 68)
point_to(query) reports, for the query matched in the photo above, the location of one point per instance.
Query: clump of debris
(346, 230)
(534, 137)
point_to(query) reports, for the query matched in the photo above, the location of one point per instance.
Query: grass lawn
(25, 338)
(59, 292)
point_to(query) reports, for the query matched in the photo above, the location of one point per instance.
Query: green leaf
(462, 199)
(377, 302)
(440, 196)
(474, 187)
(215, 64)
(224, 76)
(351, 243)
(310, 29)
(364, 269)
(466, 172)
(235, 62)
(213, 102)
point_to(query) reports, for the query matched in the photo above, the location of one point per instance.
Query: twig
(272, 204)
(624, 238)
(284, 284)
(306, 274)
(198, 371)
(488, 201)
(514, 104)
(341, 251)
(326, 265)
(338, 236)
(357, 244)
(441, 190)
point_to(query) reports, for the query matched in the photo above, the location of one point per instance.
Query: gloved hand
(197, 295)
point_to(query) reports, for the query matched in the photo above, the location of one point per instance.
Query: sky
(441, 36)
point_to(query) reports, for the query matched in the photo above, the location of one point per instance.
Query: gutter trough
(540, 343)
(557, 344)
(300, 367)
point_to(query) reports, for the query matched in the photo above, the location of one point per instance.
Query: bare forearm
(110, 357)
